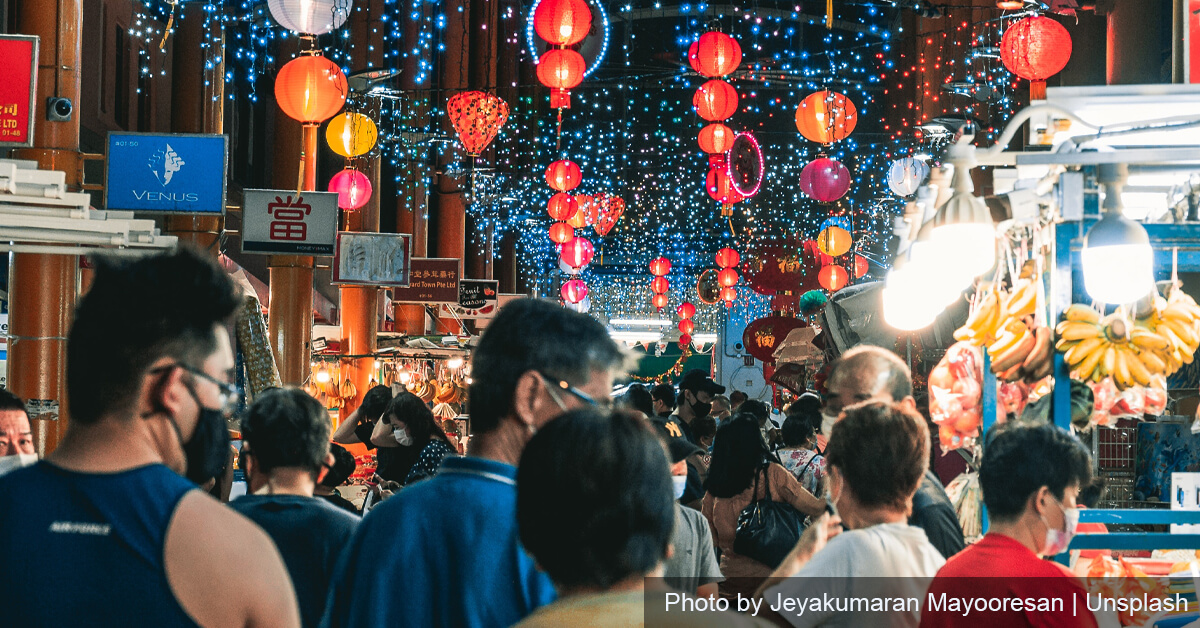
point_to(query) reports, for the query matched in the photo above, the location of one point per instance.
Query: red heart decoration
(611, 208)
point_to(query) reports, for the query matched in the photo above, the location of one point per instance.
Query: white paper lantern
(310, 17)
(906, 175)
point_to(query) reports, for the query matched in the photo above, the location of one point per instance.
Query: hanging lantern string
(162, 45)
(829, 14)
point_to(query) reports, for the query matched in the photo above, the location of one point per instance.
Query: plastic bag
(1156, 396)
(1129, 404)
(955, 390)
(1011, 397)
(1105, 396)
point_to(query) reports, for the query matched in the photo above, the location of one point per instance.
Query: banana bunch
(996, 312)
(1021, 352)
(423, 389)
(347, 390)
(447, 392)
(1096, 347)
(1176, 320)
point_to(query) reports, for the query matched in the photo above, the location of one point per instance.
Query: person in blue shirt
(107, 530)
(445, 551)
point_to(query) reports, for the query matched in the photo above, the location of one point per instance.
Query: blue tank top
(87, 549)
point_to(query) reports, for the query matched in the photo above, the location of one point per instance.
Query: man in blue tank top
(444, 552)
(106, 531)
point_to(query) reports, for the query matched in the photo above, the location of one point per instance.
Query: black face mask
(701, 409)
(207, 451)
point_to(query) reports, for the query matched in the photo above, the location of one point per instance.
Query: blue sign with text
(175, 173)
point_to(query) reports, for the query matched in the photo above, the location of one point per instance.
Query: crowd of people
(569, 507)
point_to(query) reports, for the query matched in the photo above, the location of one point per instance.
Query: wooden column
(412, 195)
(42, 288)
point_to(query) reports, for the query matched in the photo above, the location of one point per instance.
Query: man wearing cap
(696, 391)
(691, 565)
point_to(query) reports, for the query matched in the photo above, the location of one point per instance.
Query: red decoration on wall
(1035, 48)
(715, 100)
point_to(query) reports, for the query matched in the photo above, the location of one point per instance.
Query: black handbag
(767, 530)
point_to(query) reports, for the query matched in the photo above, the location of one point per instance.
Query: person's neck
(108, 446)
(502, 444)
(1019, 530)
(855, 518)
(288, 481)
(685, 413)
(631, 584)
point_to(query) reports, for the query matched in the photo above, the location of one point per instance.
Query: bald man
(867, 373)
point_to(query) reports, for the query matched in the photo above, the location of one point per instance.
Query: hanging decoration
(561, 70)
(744, 165)
(906, 175)
(592, 42)
(686, 326)
(763, 335)
(729, 295)
(708, 289)
(825, 180)
(826, 117)
(562, 22)
(1035, 48)
(562, 206)
(861, 266)
(660, 266)
(833, 277)
(685, 310)
(727, 258)
(310, 17)
(586, 215)
(660, 285)
(715, 100)
(610, 209)
(577, 253)
(561, 233)
(563, 175)
(310, 89)
(716, 54)
(684, 340)
(574, 291)
(772, 266)
(351, 134)
(716, 139)
(812, 301)
(834, 241)
(477, 118)
(353, 189)
(727, 277)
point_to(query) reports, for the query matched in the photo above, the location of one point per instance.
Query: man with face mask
(696, 392)
(149, 366)
(16, 437)
(1030, 478)
(867, 373)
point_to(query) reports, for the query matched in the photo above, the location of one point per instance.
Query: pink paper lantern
(353, 189)
(577, 252)
(825, 180)
(574, 291)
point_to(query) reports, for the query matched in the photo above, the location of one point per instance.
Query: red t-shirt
(998, 570)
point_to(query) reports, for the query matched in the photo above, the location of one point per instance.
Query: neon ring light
(744, 163)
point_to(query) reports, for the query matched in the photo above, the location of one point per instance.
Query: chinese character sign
(763, 335)
(18, 84)
(431, 280)
(372, 259)
(280, 222)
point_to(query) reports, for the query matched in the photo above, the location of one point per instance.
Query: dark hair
(286, 427)
(638, 398)
(882, 450)
(1020, 459)
(664, 393)
(534, 335)
(737, 397)
(164, 305)
(9, 401)
(796, 430)
(417, 417)
(1089, 495)
(756, 409)
(867, 358)
(738, 452)
(374, 403)
(704, 427)
(594, 499)
(343, 467)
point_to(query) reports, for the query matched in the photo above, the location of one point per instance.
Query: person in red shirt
(1030, 476)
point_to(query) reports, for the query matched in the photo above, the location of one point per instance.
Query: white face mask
(827, 421)
(402, 437)
(1057, 541)
(12, 463)
(679, 483)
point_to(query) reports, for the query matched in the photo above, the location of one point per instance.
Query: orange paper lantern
(660, 285)
(659, 301)
(1035, 48)
(727, 258)
(716, 138)
(687, 326)
(717, 54)
(585, 216)
(686, 310)
(562, 206)
(477, 118)
(561, 69)
(563, 175)
(715, 100)
(561, 233)
(310, 89)
(833, 278)
(861, 266)
(562, 22)
(660, 266)
(826, 117)
(684, 341)
(728, 277)
(728, 294)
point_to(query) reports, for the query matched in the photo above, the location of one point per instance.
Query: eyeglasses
(229, 395)
(553, 382)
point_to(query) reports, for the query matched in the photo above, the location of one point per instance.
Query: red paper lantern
(728, 277)
(861, 266)
(477, 118)
(577, 252)
(715, 100)
(562, 206)
(717, 54)
(660, 285)
(659, 301)
(562, 22)
(727, 258)
(563, 175)
(686, 310)
(310, 89)
(574, 291)
(353, 189)
(561, 69)
(825, 180)
(660, 266)
(729, 295)
(585, 216)
(716, 138)
(684, 341)
(609, 210)
(1035, 48)
(833, 277)
(826, 117)
(720, 187)
(686, 326)
(561, 233)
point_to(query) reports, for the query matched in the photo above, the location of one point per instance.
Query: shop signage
(477, 298)
(18, 85)
(280, 222)
(44, 409)
(179, 173)
(372, 259)
(431, 280)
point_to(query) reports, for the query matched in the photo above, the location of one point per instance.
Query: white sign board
(280, 222)
(372, 259)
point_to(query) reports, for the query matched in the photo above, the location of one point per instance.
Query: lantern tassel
(162, 45)
(1037, 90)
(829, 14)
(732, 232)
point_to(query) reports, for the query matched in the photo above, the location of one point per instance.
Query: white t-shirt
(878, 568)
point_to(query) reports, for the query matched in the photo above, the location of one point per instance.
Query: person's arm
(786, 488)
(812, 541)
(707, 590)
(344, 433)
(707, 566)
(382, 435)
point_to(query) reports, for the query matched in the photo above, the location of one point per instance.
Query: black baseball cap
(697, 380)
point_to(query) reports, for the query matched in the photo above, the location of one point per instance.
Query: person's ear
(670, 551)
(527, 398)
(1041, 500)
(909, 403)
(163, 391)
(329, 460)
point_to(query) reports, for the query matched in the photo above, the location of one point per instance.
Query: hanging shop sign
(430, 280)
(18, 85)
(477, 298)
(762, 336)
(280, 222)
(372, 259)
(178, 173)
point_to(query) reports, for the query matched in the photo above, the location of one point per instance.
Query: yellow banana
(1088, 365)
(1145, 339)
(1108, 363)
(1139, 372)
(1184, 332)
(1015, 354)
(1076, 354)
(1077, 330)
(1063, 345)
(1154, 363)
(1023, 300)
(1178, 311)
(1003, 344)
(1121, 368)
(1081, 313)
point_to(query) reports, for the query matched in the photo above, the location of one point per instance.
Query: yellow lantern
(834, 241)
(351, 134)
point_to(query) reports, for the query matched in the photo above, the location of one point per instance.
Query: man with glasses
(149, 365)
(285, 454)
(445, 552)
